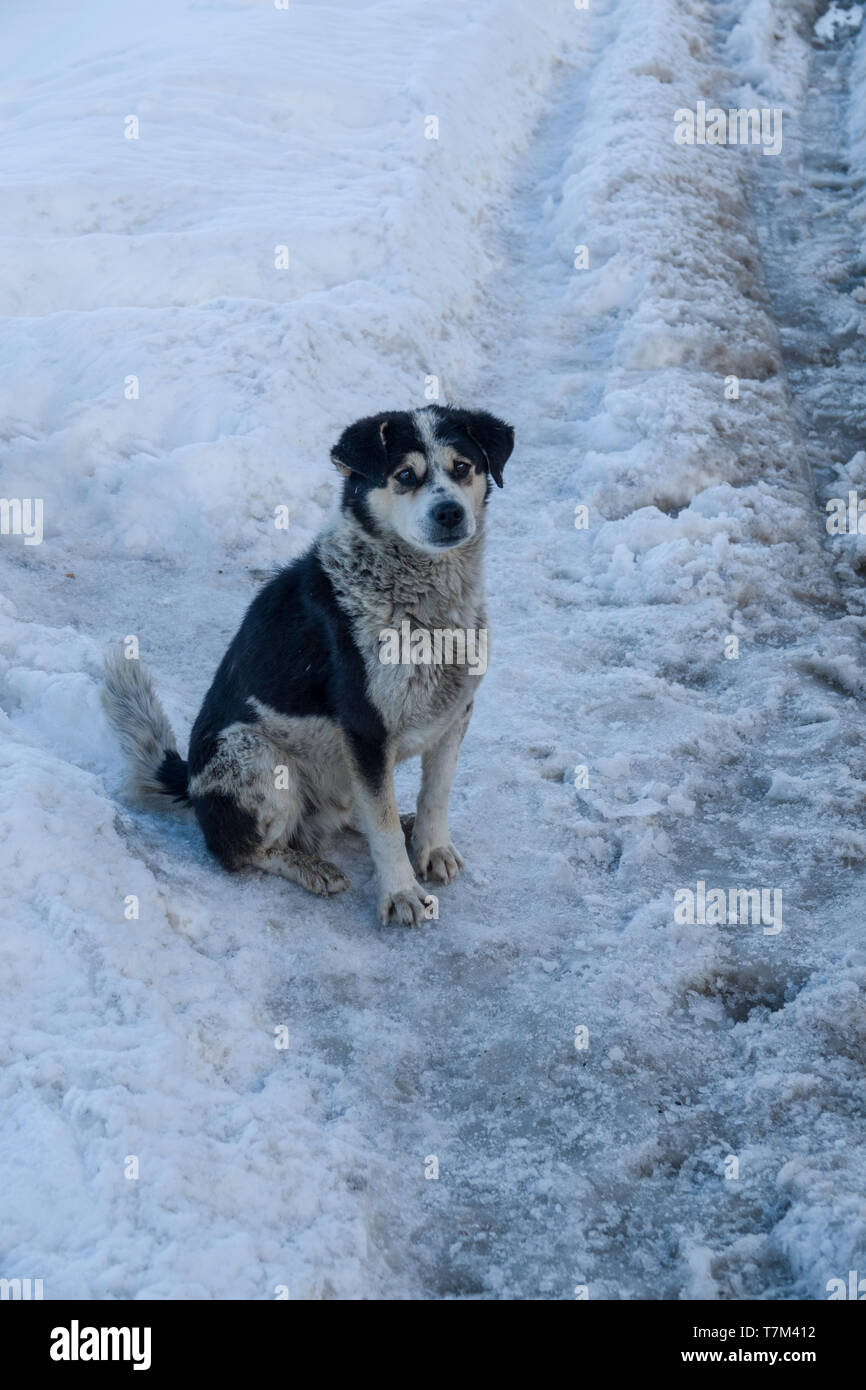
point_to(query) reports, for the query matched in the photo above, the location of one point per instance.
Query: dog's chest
(420, 629)
(423, 665)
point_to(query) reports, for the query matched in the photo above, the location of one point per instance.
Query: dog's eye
(406, 476)
(461, 468)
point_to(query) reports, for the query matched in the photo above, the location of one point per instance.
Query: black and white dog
(303, 724)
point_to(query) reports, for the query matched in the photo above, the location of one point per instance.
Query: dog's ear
(361, 448)
(494, 438)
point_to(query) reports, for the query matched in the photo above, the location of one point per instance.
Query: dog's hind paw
(325, 878)
(316, 875)
(408, 907)
(442, 863)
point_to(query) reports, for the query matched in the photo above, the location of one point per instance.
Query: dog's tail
(134, 711)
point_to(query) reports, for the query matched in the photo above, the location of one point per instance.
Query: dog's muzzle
(448, 524)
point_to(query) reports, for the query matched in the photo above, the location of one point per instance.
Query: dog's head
(423, 474)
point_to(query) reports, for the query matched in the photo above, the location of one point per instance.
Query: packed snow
(230, 229)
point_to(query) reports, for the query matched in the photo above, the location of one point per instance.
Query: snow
(836, 19)
(153, 1037)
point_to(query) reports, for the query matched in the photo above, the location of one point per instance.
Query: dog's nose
(448, 515)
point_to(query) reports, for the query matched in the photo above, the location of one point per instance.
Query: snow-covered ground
(603, 1158)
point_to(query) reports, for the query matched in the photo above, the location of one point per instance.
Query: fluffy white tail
(135, 712)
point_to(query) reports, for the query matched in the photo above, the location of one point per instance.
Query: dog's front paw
(408, 907)
(442, 863)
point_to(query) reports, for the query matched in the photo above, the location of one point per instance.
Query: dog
(299, 734)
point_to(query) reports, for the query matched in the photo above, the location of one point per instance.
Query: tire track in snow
(808, 210)
(810, 207)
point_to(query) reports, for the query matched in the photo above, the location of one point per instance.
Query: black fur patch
(372, 449)
(173, 774)
(230, 832)
(477, 434)
(295, 652)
